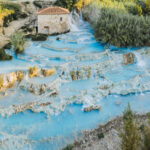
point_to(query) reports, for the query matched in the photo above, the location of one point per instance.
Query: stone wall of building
(53, 24)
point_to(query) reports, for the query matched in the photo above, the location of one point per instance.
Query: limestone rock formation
(88, 109)
(128, 58)
(47, 72)
(7, 81)
(33, 72)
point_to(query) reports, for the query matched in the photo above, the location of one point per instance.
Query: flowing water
(100, 78)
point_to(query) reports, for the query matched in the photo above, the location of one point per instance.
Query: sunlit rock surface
(7, 80)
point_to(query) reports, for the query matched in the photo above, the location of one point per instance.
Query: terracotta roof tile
(53, 10)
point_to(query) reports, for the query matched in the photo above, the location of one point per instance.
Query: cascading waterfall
(74, 21)
(140, 61)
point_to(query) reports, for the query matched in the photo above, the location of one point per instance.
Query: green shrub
(69, 4)
(39, 37)
(100, 136)
(29, 36)
(147, 7)
(37, 4)
(11, 6)
(139, 10)
(142, 4)
(68, 147)
(131, 8)
(26, 28)
(120, 29)
(141, 128)
(130, 134)
(18, 41)
(120, 22)
(91, 13)
(4, 56)
(23, 15)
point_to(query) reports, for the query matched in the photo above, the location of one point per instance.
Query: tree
(18, 41)
(130, 134)
(69, 4)
(81, 3)
(147, 7)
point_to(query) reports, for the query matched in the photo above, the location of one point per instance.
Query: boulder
(128, 58)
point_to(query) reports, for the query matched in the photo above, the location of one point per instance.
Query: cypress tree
(130, 134)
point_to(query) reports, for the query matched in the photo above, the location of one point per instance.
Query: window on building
(61, 19)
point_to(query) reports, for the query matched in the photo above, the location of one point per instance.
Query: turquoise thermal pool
(103, 80)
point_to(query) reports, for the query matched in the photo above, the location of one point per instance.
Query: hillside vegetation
(120, 22)
(73, 4)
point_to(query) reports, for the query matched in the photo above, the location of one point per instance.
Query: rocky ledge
(10, 79)
(104, 137)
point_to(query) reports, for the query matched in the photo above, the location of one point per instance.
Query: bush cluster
(18, 41)
(4, 56)
(120, 22)
(37, 4)
(69, 4)
(14, 16)
(39, 37)
(26, 28)
(139, 7)
(122, 29)
(100, 135)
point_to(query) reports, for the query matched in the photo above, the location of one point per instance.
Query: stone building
(53, 20)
